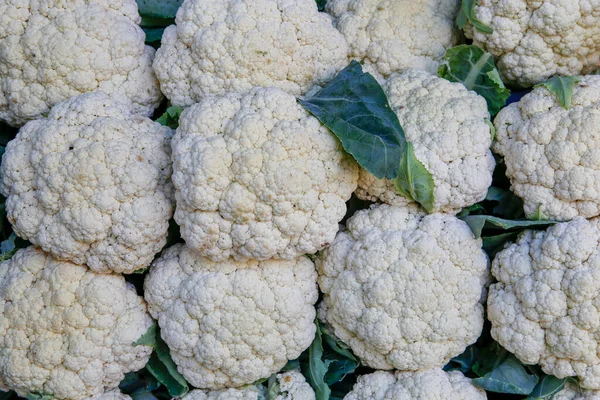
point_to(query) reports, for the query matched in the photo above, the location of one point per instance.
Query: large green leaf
(355, 108)
(467, 14)
(547, 388)
(562, 87)
(148, 338)
(316, 368)
(414, 181)
(475, 69)
(478, 222)
(508, 377)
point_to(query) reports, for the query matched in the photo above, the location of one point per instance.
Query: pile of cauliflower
(258, 189)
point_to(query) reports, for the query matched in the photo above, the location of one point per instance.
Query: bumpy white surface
(65, 330)
(402, 289)
(393, 35)
(230, 323)
(545, 306)
(91, 184)
(257, 177)
(292, 386)
(234, 45)
(433, 384)
(52, 50)
(572, 391)
(552, 155)
(535, 39)
(446, 123)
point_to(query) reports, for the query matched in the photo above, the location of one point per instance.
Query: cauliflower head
(448, 126)
(392, 35)
(65, 330)
(434, 384)
(234, 45)
(552, 155)
(230, 323)
(52, 50)
(535, 39)
(404, 290)
(291, 385)
(572, 391)
(545, 306)
(91, 184)
(258, 177)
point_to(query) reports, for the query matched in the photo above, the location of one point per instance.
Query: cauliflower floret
(572, 391)
(91, 184)
(545, 306)
(67, 331)
(258, 177)
(52, 50)
(234, 45)
(404, 290)
(433, 384)
(231, 323)
(446, 124)
(393, 35)
(291, 386)
(552, 155)
(535, 39)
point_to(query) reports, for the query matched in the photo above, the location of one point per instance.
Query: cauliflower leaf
(509, 376)
(355, 108)
(547, 388)
(467, 14)
(562, 87)
(475, 69)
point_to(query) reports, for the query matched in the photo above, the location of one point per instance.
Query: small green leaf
(562, 87)
(153, 35)
(539, 215)
(492, 129)
(494, 244)
(273, 388)
(478, 222)
(158, 369)
(414, 181)
(509, 205)
(355, 108)
(547, 388)
(336, 345)
(467, 14)
(464, 362)
(508, 377)
(321, 4)
(176, 383)
(316, 368)
(475, 69)
(170, 117)
(164, 9)
(38, 396)
(148, 338)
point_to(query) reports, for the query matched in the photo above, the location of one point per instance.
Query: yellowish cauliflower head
(67, 331)
(291, 386)
(91, 184)
(433, 384)
(552, 155)
(393, 35)
(234, 45)
(545, 306)
(52, 50)
(257, 177)
(572, 391)
(446, 123)
(535, 39)
(231, 323)
(402, 289)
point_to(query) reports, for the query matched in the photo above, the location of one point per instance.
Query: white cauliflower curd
(67, 331)
(404, 290)
(392, 35)
(552, 154)
(433, 384)
(91, 184)
(231, 323)
(291, 386)
(258, 177)
(572, 391)
(222, 46)
(535, 39)
(52, 50)
(545, 306)
(448, 126)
